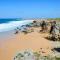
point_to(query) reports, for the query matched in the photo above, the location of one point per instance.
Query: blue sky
(29, 8)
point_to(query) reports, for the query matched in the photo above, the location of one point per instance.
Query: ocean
(10, 24)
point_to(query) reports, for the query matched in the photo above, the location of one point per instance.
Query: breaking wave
(13, 24)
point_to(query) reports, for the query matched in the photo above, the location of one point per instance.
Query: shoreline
(12, 25)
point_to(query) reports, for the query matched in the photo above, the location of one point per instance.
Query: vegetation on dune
(53, 18)
(57, 58)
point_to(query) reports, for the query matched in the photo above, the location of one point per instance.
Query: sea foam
(12, 25)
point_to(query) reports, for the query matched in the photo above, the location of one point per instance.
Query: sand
(14, 43)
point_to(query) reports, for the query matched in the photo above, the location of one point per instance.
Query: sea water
(10, 24)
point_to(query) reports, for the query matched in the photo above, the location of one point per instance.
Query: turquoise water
(9, 20)
(10, 24)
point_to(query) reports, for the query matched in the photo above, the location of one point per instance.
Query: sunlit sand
(33, 41)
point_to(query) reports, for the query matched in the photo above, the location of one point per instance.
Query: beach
(11, 43)
(28, 36)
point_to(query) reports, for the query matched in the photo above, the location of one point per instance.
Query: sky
(29, 8)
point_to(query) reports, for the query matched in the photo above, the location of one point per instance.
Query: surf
(13, 24)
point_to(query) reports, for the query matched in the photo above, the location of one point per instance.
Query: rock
(25, 55)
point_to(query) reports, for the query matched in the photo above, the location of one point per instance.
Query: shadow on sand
(50, 38)
(57, 49)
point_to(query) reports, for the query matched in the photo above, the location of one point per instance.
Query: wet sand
(12, 43)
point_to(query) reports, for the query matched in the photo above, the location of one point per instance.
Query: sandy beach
(29, 29)
(12, 43)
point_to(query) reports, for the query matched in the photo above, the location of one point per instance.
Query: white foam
(13, 24)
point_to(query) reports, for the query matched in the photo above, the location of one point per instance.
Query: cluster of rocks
(29, 55)
(55, 35)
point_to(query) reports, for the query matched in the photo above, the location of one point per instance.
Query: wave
(13, 24)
